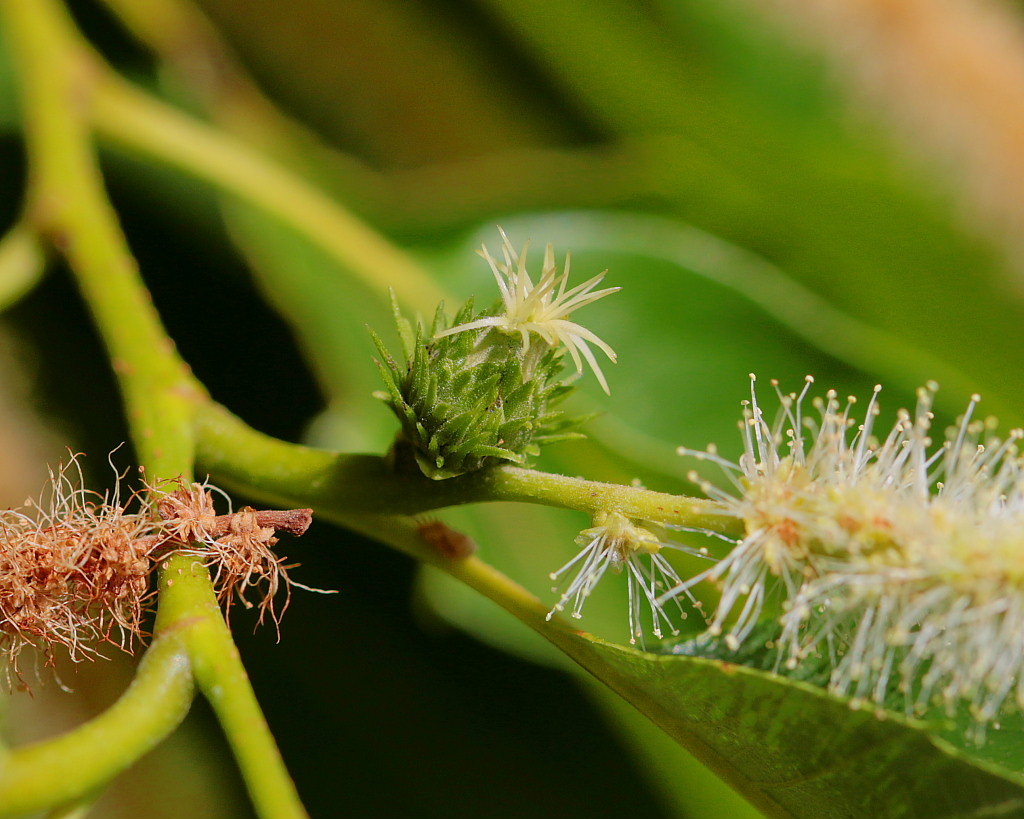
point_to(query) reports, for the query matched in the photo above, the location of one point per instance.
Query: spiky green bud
(473, 398)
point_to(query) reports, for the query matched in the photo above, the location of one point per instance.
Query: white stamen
(540, 309)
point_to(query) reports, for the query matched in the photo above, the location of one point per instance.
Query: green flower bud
(469, 399)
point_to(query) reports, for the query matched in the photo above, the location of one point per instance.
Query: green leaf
(795, 751)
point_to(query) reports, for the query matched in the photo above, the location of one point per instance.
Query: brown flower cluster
(76, 566)
(237, 547)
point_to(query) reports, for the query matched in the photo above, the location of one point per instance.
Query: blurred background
(787, 188)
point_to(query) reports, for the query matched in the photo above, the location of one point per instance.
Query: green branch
(359, 492)
(140, 123)
(275, 471)
(187, 600)
(68, 205)
(61, 770)
(22, 263)
(279, 472)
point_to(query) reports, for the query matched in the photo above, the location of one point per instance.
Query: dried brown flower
(74, 569)
(237, 547)
(76, 566)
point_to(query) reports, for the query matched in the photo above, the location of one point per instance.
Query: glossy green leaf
(797, 752)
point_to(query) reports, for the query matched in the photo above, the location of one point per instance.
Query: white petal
(490, 321)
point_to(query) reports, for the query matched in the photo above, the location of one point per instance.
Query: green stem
(141, 123)
(62, 770)
(70, 206)
(293, 473)
(187, 596)
(403, 533)
(278, 472)
(22, 262)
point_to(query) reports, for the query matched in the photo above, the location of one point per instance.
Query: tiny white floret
(617, 543)
(543, 308)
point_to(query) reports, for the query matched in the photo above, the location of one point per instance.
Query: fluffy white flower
(617, 543)
(898, 560)
(543, 308)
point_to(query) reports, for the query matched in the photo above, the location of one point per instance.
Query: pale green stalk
(145, 125)
(72, 766)
(300, 473)
(22, 262)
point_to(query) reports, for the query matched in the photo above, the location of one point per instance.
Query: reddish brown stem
(293, 521)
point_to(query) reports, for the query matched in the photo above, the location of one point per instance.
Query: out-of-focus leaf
(331, 314)
(398, 84)
(788, 174)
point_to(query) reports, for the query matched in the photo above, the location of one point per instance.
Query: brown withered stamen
(74, 572)
(191, 510)
(76, 567)
(237, 546)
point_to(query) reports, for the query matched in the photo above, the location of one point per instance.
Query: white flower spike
(616, 543)
(897, 559)
(543, 308)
